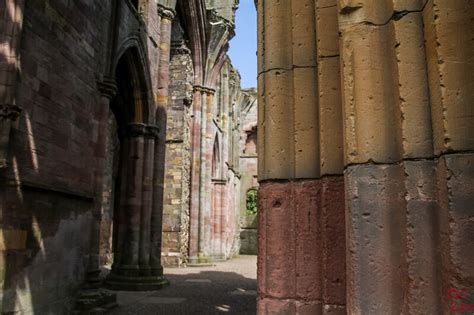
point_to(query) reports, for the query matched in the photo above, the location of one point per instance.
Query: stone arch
(136, 265)
(132, 52)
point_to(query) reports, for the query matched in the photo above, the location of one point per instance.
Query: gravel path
(226, 288)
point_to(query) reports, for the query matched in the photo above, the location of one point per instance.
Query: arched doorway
(136, 231)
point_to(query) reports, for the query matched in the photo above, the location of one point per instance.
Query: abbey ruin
(128, 145)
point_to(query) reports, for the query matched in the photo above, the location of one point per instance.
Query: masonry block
(375, 227)
(456, 199)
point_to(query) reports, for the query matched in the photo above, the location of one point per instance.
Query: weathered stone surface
(449, 46)
(375, 219)
(333, 236)
(370, 94)
(298, 221)
(455, 182)
(330, 117)
(423, 236)
(413, 87)
(248, 146)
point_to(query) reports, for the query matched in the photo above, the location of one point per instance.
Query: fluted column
(301, 245)
(396, 126)
(200, 236)
(132, 268)
(449, 30)
(195, 177)
(107, 89)
(161, 101)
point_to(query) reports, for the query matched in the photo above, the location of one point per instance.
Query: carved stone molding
(141, 130)
(165, 12)
(107, 87)
(152, 131)
(9, 111)
(180, 50)
(203, 89)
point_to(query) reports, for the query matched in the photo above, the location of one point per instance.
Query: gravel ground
(226, 288)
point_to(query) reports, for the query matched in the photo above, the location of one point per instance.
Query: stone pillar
(200, 236)
(161, 101)
(400, 135)
(448, 30)
(147, 199)
(195, 179)
(218, 222)
(132, 268)
(301, 243)
(10, 32)
(91, 294)
(107, 89)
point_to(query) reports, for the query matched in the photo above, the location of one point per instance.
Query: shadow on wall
(205, 292)
(43, 227)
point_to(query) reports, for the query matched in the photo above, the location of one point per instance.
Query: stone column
(200, 236)
(195, 177)
(301, 241)
(10, 32)
(218, 223)
(91, 294)
(152, 133)
(206, 187)
(161, 101)
(448, 30)
(333, 268)
(395, 203)
(132, 268)
(107, 89)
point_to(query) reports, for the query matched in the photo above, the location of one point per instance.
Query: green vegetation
(251, 202)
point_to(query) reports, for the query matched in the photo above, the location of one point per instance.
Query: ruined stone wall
(371, 100)
(56, 187)
(48, 190)
(178, 160)
(248, 169)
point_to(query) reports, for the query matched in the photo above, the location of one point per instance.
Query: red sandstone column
(132, 203)
(147, 200)
(448, 27)
(301, 239)
(224, 203)
(107, 89)
(167, 16)
(195, 177)
(205, 239)
(200, 231)
(218, 209)
(132, 268)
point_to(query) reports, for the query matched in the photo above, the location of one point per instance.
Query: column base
(135, 283)
(201, 261)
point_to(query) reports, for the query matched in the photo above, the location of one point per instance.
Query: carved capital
(166, 13)
(181, 50)
(9, 111)
(134, 130)
(107, 87)
(152, 131)
(203, 89)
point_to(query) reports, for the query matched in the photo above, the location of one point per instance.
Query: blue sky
(243, 46)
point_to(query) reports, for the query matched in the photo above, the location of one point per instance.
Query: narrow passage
(226, 288)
